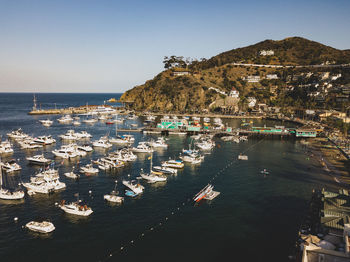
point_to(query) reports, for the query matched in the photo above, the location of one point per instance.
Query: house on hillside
(251, 101)
(180, 72)
(266, 52)
(234, 93)
(271, 76)
(252, 79)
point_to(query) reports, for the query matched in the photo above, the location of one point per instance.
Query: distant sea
(255, 218)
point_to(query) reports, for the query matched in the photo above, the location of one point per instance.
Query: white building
(266, 52)
(234, 93)
(252, 79)
(251, 101)
(272, 76)
(217, 90)
(180, 73)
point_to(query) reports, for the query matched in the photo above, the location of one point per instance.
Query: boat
(264, 172)
(202, 193)
(152, 176)
(159, 143)
(134, 186)
(191, 159)
(69, 135)
(72, 175)
(46, 122)
(102, 142)
(65, 119)
(165, 170)
(206, 120)
(131, 117)
(118, 139)
(17, 134)
(86, 148)
(44, 140)
(5, 147)
(177, 133)
(10, 166)
(124, 155)
(76, 123)
(173, 163)
(29, 144)
(40, 227)
(75, 208)
(113, 196)
(39, 160)
(83, 135)
(6, 194)
(89, 120)
(142, 147)
(45, 182)
(66, 151)
(205, 144)
(227, 138)
(88, 169)
(102, 110)
(242, 157)
(112, 100)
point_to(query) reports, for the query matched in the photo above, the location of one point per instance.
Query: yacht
(40, 227)
(65, 119)
(75, 208)
(205, 144)
(44, 140)
(5, 147)
(10, 166)
(191, 159)
(173, 163)
(72, 175)
(46, 122)
(153, 176)
(17, 134)
(165, 170)
(88, 169)
(83, 135)
(6, 194)
(134, 186)
(118, 140)
(102, 110)
(159, 143)
(102, 142)
(76, 123)
(124, 155)
(29, 144)
(85, 148)
(142, 147)
(90, 120)
(113, 196)
(69, 135)
(66, 151)
(45, 182)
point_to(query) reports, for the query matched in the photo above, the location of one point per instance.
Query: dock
(213, 194)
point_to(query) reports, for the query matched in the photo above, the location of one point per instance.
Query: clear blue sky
(111, 46)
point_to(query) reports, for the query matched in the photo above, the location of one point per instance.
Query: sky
(111, 46)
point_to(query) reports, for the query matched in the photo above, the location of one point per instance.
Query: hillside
(207, 83)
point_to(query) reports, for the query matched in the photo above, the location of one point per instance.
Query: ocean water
(255, 218)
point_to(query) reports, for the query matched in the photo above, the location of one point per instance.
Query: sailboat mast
(0, 173)
(150, 171)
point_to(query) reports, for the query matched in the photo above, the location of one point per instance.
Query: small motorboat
(113, 196)
(75, 208)
(40, 227)
(72, 175)
(264, 172)
(88, 169)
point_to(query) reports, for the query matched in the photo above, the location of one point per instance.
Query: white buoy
(90, 191)
(15, 219)
(56, 203)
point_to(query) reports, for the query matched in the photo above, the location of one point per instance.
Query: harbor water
(255, 218)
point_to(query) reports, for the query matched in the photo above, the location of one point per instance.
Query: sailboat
(118, 139)
(153, 176)
(9, 195)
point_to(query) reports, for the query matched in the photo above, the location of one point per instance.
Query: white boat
(83, 135)
(75, 208)
(205, 144)
(88, 169)
(242, 157)
(124, 155)
(152, 176)
(85, 148)
(6, 194)
(102, 118)
(118, 139)
(5, 147)
(65, 119)
(46, 122)
(44, 140)
(165, 170)
(102, 142)
(206, 120)
(177, 133)
(17, 134)
(113, 196)
(40, 227)
(134, 186)
(72, 175)
(76, 123)
(203, 192)
(102, 110)
(129, 137)
(66, 151)
(10, 166)
(191, 159)
(45, 182)
(29, 144)
(173, 164)
(142, 147)
(90, 120)
(159, 143)
(132, 117)
(39, 159)
(69, 135)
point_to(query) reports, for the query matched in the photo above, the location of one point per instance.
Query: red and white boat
(203, 193)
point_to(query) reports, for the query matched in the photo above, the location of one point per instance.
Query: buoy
(90, 191)
(15, 219)
(56, 203)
